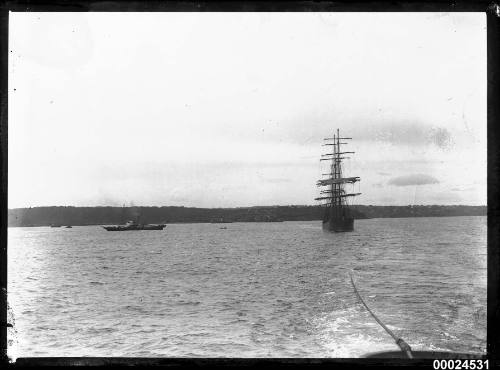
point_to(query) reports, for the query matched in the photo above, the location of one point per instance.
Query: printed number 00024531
(461, 364)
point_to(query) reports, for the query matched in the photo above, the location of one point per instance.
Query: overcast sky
(230, 109)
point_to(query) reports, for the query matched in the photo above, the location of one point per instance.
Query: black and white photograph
(247, 184)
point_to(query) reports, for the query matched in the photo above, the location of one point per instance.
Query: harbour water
(250, 290)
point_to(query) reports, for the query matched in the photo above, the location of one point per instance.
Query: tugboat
(337, 216)
(133, 225)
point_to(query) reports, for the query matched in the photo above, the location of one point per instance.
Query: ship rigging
(337, 216)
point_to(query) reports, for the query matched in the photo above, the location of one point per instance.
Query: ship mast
(336, 195)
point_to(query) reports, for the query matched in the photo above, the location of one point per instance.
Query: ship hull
(340, 224)
(134, 227)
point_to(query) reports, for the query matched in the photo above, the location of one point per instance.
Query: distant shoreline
(202, 222)
(103, 215)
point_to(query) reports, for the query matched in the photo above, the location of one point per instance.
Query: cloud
(45, 41)
(446, 197)
(415, 179)
(470, 188)
(178, 195)
(276, 180)
(405, 133)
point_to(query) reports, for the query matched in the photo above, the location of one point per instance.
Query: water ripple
(252, 290)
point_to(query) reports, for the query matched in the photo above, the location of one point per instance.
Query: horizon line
(268, 206)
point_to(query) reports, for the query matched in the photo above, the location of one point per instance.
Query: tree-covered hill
(45, 216)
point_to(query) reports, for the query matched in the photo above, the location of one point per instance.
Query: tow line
(399, 341)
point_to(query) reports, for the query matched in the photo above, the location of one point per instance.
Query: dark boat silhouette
(133, 226)
(425, 354)
(337, 217)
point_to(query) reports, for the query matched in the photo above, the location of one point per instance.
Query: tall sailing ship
(337, 216)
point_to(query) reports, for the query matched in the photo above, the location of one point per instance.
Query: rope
(399, 341)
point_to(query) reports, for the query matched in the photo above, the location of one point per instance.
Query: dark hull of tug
(338, 225)
(425, 354)
(134, 227)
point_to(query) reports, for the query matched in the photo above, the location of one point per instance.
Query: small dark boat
(133, 226)
(68, 227)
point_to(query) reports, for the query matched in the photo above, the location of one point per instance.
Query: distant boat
(132, 225)
(68, 227)
(337, 215)
(220, 220)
